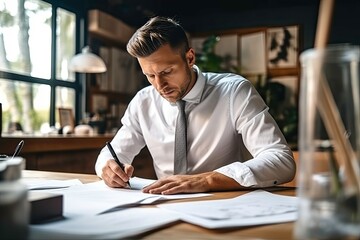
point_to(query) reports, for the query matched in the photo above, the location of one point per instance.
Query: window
(37, 40)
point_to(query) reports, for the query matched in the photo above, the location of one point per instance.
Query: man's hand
(113, 176)
(204, 182)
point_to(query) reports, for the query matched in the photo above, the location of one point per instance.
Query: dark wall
(304, 16)
(227, 15)
(346, 22)
(345, 27)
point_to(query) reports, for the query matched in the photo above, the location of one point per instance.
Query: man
(226, 120)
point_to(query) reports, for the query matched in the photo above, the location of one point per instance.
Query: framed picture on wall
(252, 55)
(66, 117)
(282, 47)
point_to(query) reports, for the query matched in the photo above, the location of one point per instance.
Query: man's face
(169, 73)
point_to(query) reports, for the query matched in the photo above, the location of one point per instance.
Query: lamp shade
(87, 62)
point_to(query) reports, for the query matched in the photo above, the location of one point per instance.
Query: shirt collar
(196, 92)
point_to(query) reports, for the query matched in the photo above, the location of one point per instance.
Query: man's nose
(160, 82)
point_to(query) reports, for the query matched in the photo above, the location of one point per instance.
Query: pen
(122, 166)
(18, 148)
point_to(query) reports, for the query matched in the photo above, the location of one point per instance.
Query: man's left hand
(204, 182)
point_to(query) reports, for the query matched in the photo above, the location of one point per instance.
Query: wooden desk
(189, 231)
(71, 153)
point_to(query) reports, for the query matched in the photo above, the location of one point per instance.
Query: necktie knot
(181, 105)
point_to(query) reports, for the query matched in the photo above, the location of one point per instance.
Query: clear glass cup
(329, 198)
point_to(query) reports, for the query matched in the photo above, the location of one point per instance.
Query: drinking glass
(328, 187)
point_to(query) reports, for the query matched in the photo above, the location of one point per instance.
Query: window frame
(79, 84)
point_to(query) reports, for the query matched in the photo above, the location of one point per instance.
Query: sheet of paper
(255, 208)
(114, 225)
(94, 198)
(140, 183)
(39, 184)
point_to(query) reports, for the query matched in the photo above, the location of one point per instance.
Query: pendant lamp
(87, 62)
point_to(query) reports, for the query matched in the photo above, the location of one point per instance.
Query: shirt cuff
(240, 173)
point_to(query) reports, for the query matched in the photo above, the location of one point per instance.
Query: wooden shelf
(117, 96)
(57, 153)
(109, 28)
(109, 93)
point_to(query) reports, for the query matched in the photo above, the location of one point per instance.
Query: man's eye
(166, 72)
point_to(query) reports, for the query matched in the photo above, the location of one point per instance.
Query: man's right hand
(114, 177)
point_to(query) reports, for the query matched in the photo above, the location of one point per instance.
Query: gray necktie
(180, 162)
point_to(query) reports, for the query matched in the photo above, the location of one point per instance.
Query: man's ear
(190, 57)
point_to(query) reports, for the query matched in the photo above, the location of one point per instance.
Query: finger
(165, 187)
(175, 190)
(112, 176)
(180, 186)
(154, 185)
(118, 171)
(112, 181)
(129, 170)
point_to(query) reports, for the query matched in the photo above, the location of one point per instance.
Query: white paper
(115, 225)
(95, 198)
(140, 183)
(39, 184)
(254, 208)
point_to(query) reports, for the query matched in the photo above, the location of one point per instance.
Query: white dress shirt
(229, 131)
